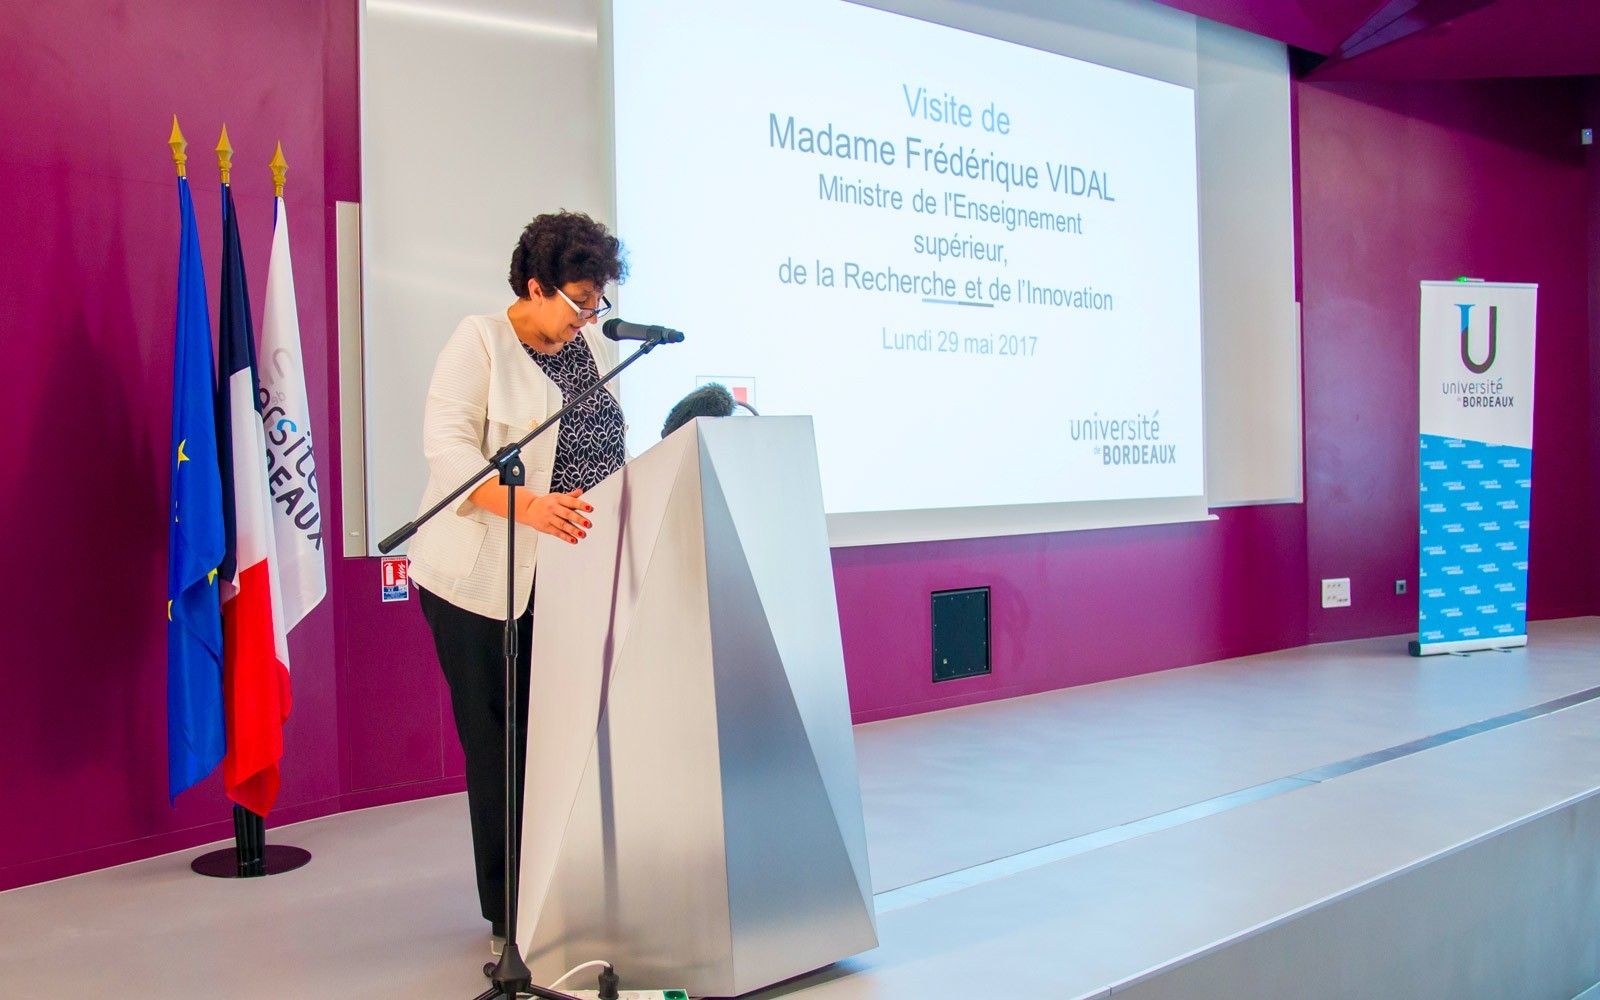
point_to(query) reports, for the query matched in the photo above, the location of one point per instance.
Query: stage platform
(1332, 821)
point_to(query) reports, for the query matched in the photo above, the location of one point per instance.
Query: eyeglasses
(585, 315)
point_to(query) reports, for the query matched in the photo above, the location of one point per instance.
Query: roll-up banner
(1476, 469)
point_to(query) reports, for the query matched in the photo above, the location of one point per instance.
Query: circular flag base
(225, 863)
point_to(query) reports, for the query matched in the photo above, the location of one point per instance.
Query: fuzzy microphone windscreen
(710, 400)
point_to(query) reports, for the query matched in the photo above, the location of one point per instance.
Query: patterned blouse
(590, 445)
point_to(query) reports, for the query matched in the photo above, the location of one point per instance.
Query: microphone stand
(510, 976)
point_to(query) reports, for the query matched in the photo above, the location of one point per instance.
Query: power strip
(632, 994)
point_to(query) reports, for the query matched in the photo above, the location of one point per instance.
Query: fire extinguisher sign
(396, 579)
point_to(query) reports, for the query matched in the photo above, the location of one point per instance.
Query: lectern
(693, 812)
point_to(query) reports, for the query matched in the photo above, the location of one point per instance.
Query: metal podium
(693, 813)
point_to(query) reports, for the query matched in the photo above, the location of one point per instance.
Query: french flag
(255, 649)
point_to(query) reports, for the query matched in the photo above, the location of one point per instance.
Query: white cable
(575, 970)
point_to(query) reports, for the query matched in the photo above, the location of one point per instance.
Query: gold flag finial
(178, 144)
(224, 154)
(280, 166)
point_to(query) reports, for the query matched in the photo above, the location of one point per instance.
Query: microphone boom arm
(510, 453)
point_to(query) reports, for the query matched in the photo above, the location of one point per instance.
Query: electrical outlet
(632, 994)
(1399, 586)
(1336, 593)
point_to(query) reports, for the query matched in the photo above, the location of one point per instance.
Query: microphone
(710, 400)
(618, 328)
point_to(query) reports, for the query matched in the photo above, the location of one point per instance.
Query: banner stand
(1475, 468)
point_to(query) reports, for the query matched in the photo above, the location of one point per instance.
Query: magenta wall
(1073, 608)
(1405, 182)
(1397, 183)
(1591, 119)
(88, 279)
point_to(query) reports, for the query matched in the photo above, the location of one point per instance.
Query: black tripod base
(512, 979)
(226, 863)
(510, 975)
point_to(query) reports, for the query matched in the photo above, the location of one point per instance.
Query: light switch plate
(1336, 593)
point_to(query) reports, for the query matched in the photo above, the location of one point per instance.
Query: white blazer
(485, 393)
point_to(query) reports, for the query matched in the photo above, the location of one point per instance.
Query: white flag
(286, 418)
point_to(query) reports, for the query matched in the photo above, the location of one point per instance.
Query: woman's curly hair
(559, 248)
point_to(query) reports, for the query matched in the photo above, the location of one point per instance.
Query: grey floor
(1060, 844)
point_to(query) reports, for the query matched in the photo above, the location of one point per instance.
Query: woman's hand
(558, 514)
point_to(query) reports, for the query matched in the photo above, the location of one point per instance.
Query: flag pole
(251, 857)
(196, 542)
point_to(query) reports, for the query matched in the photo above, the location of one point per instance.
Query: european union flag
(196, 543)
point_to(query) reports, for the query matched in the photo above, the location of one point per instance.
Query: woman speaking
(498, 377)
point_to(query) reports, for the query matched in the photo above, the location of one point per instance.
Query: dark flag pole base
(226, 863)
(250, 856)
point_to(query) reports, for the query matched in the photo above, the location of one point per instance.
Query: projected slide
(975, 264)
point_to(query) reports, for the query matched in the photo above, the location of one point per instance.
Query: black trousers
(470, 649)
